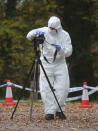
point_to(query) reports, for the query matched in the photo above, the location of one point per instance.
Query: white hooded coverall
(57, 70)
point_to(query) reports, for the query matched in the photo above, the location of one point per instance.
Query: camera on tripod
(39, 39)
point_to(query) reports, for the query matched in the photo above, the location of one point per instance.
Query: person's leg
(47, 95)
(61, 84)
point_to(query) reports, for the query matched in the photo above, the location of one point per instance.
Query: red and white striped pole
(9, 96)
(85, 99)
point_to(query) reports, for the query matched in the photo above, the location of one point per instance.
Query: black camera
(39, 39)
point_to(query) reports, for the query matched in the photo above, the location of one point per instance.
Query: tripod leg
(63, 116)
(31, 103)
(36, 76)
(34, 85)
(26, 82)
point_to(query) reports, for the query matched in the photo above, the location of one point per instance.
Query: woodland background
(18, 17)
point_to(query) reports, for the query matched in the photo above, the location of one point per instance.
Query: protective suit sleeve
(66, 48)
(33, 33)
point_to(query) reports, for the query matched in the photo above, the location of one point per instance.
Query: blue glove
(58, 47)
(38, 32)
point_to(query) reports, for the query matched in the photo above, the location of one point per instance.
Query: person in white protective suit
(56, 47)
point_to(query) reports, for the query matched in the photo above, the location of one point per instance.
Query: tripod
(34, 67)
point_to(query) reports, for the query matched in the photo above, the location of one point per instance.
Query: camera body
(39, 39)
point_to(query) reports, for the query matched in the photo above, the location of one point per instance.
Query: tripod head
(37, 41)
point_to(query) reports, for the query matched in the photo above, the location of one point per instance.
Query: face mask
(52, 32)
